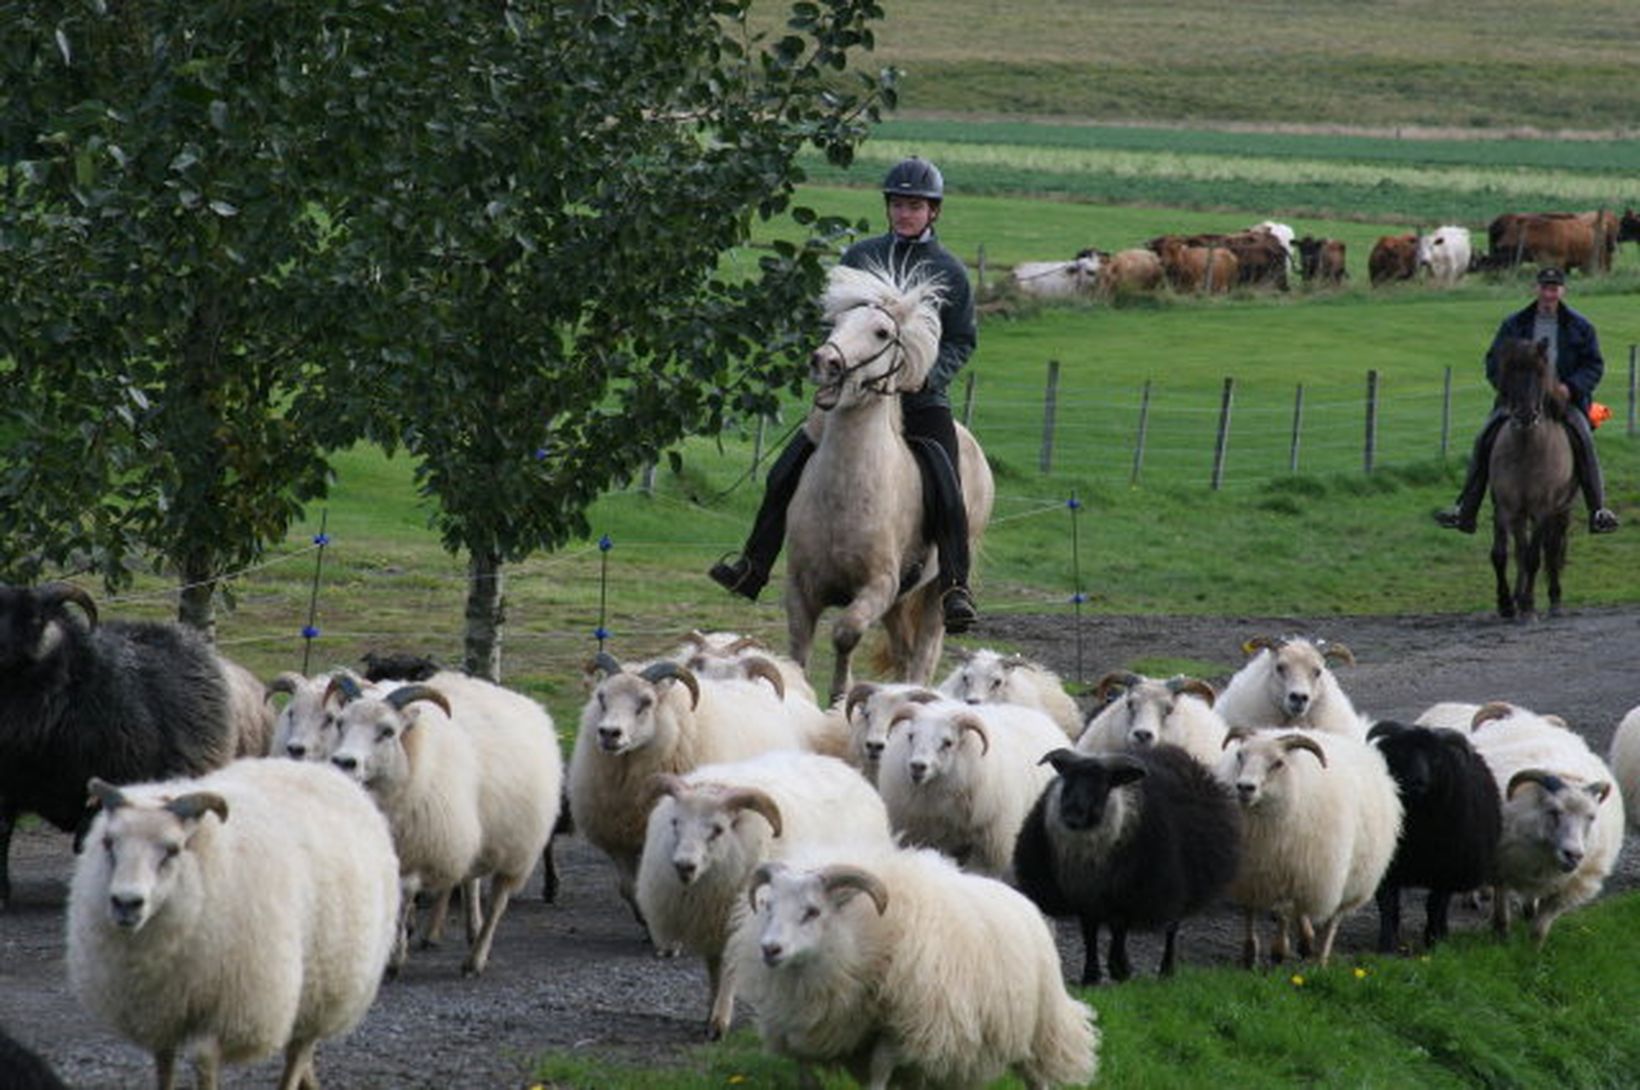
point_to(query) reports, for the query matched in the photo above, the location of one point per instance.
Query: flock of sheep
(852, 871)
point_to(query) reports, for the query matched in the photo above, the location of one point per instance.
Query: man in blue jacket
(913, 192)
(1574, 350)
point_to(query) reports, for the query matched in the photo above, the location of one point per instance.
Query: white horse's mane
(911, 297)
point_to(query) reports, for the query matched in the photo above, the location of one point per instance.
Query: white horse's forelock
(911, 297)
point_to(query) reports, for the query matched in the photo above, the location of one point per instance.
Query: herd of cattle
(1263, 256)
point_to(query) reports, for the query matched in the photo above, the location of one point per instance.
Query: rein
(879, 384)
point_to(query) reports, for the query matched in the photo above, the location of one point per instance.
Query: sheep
(305, 728)
(1320, 818)
(728, 656)
(24, 1070)
(1562, 814)
(961, 778)
(1453, 818)
(659, 718)
(1288, 683)
(125, 700)
(867, 710)
(248, 910)
(906, 971)
(710, 830)
(1624, 759)
(1138, 838)
(1142, 711)
(989, 677)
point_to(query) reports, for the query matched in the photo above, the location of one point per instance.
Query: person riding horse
(913, 191)
(1574, 351)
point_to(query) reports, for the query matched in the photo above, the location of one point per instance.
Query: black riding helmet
(914, 177)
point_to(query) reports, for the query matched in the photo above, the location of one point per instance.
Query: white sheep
(712, 828)
(1624, 759)
(1139, 710)
(249, 910)
(659, 718)
(906, 971)
(990, 677)
(1288, 683)
(305, 728)
(1320, 818)
(1562, 814)
(728, 656)
(867, 711)
(961, 778)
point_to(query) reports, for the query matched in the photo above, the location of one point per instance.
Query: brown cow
(1130, 271)
(1571, 240)
(1393, 257)
(1261, 259)
(1321, 260)
(1197, 268)
(1628, 228)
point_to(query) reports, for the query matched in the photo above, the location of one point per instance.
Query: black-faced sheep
(1453, 818)
(243, 912)
(908, 972)
(1137, 839)
(1289, 683)
(126, 701)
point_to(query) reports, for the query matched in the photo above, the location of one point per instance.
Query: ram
(1289, 682)
(126, 700)
(728, 656)
(989, 677)
(869, 707)
(305, 728)
(1140, 838)
(961, 778)
(712, 828)
(907, 972)
(1320, 818)
(659, 718)
(1453, 818)
(1142, 711)
(249, 910)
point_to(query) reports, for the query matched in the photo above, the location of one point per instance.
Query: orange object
(1598, 414)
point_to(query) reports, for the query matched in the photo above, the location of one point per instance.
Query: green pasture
(1472, 1013)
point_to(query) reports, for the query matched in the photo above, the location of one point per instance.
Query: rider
(912, 191)
(1574, 350)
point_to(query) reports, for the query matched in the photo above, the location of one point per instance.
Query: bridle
(879, 384)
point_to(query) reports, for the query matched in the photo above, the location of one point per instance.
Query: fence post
(1048, 406)
(1446, 411)
(1222, 443)
(1372, 422)
(1139, 440)
(1634, 389)
(968, 400)
(979, 271)
(1298, 425)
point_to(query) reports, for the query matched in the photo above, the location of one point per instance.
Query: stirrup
(738, 576)
(957, 604)
(1454, 518)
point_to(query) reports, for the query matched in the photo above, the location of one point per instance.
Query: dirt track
(578, 976)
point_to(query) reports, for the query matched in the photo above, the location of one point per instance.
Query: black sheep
(1453, 818)
(125, 701)
(1137, 839)
(21, 1069)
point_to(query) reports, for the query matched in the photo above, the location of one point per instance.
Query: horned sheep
(868, 709)
(889, 964)
(728, 656)
(711, 829)
(962, 778)
(249, 910)
(1624, 759)
(1320, 817)
(990, 677)
(1289, 682)
(123, 700)
(1142, 711)
(1139, 838)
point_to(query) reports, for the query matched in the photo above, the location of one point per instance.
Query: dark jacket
(1578, 361)
(958, 335)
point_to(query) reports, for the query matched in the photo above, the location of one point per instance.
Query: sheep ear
(195, 806)
(1061, 759)
(1599, 791)
(103, 794)
(1385, 728)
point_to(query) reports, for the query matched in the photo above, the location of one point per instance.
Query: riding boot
(946, 524)
(747, 575)
(1601, 519)
(1463, 515)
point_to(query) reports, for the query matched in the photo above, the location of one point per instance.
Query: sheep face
(870, 711)
(622, 714)
(1295, 677)
(370, 743)
(1259, 770)
(983, 679)
(1417, 755)
(29, 630)
(1145, 711)
(147, 856)
(707, 831)
(931, 745)
(1089, 785)
(798, 912)
(1555, 817)
(306, 728)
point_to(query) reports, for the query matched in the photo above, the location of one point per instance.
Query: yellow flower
(735, 1080)
(1360, 973)
(1298, 980)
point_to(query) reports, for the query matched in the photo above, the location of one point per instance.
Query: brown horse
(1533, 483)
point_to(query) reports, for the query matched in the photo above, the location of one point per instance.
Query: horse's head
(885, 332)
(1526, 382)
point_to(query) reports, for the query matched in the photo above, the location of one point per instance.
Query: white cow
(1445, 253)
(1059, 279)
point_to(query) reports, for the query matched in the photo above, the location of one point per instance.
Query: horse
(854, 529)
(1532, 477)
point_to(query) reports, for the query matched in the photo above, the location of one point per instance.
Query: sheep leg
(1249, 942)
(472, 904)
(1389, 917)
(884, 1059)
(433, 932)
(165, 1069)
(1090, 944)
(1500, 910)
(1283, 935)
(207, 1066)
(1306, 936)
(298, 1073)
(721, 978)
(1435, 916)
(1328, 934)
(8, 821)
(401, 941)
(502, 887)
(1170, 949)
(1120, 967)
(549, 873)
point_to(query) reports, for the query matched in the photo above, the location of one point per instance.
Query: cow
(1393, 257)
(1196, 268)
(1130, 271)
(1569, 240)
(1628, 228)
(1260, 257)
(1283, 234)
(1445, 253)
(1321, 260)
(1058, 279)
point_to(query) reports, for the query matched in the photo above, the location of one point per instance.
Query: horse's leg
(868, 606)
(1528, 557)
(1500, 565)
(1554, 558)
(801, 619)
(926, 618)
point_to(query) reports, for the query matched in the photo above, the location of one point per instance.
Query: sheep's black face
(22, 628)
(1082, 798)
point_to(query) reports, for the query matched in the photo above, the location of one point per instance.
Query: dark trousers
(1585, 462)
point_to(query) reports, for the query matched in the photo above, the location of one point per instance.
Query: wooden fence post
(1045, 461)
(1372, 422)
(1298, 425)
(1139, 440)
(1634, 389)
(1222, 443)
(968, 400)
(1446, 412)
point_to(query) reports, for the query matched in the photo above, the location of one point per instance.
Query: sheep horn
(661, 671)
(1495, 709)
(922, 696)
(1014, 662)
(744, 643)
(287, 682)
(1304, 741)
(901, 714)
(1339, 651)
(1237, 734)
(1117, 679)
(840, 876)
(857, 696)
(1261, 643)
(55, 595)
(757, 666)
(663, 784)
(349, 688)
(605, 662)
(104, 794)
(1192, 686)
(399, 698)
(1544, 779)
(760, 878)
(197, 805)
(698, 638)
(750, 798)
(969, 722)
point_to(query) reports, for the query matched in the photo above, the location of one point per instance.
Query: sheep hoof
(714, 1031)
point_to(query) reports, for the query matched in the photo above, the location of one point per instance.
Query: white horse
(854, 530)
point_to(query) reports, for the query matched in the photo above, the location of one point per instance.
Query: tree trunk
(195, 606)
(485, 614)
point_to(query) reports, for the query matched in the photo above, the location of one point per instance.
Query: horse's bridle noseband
(879, 384)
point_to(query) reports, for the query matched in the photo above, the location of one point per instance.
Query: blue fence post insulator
(605, 544)
(310, 631)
